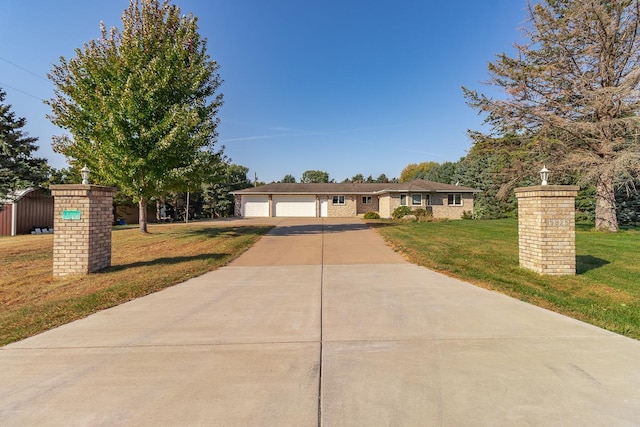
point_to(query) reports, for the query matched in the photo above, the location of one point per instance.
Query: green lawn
(605, 292)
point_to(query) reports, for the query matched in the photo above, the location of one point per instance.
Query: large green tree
(140, 102)
(18, 168)
(416, 171)
(314, 176)
(574, 85)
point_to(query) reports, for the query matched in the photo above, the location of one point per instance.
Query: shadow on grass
(164, 261)
(585, 263)
(213, 232)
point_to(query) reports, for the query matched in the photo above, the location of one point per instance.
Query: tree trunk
(142, 204)
(606, 219)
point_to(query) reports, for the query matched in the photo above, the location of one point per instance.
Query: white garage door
(300, 206)
(255, 206)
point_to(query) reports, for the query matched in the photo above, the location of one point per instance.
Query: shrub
(467, 215)
(420, 212)
(423, 214)
(401, 211)
(371, 215)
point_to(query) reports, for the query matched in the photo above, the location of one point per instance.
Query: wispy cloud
(284, 131)
(271, 136)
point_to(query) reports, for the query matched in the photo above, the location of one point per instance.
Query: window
(366, 200)
(403, 200)
(455, 199)
(338, 200)
(428, 199)
(416, 199)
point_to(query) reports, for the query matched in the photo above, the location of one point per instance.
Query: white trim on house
(454, 199)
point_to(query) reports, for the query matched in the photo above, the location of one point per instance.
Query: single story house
(26, 211)
(353, 199)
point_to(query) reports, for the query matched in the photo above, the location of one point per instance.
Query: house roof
(416, 186)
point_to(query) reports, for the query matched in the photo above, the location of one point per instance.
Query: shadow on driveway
(309, 229)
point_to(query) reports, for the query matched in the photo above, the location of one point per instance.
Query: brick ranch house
(352, 199)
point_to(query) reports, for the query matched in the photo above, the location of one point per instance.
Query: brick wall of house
(384, 208)
(441, 208)
(439, 205)
(546, 228)
(363, 208)
(82, 245)
(348, 210)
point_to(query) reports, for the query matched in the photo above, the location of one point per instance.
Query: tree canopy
(314, 176)
(416, 171)
(218, 202)
(18, 168)
(572, 88)
(140, 103)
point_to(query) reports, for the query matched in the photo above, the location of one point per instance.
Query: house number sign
(556, 222)
(71, 215)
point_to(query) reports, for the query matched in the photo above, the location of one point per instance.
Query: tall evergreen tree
(140, 103)
(18, 169)
(574, 86)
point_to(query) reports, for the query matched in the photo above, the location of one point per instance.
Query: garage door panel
(294, 206)
(255, 206)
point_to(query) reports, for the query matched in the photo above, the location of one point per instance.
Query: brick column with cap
(547, 229)
(83, 217)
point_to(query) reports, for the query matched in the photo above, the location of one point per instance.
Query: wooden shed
(24, 211)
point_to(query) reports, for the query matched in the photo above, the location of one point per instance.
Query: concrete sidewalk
(320, 323)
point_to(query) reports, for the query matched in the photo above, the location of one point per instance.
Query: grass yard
(33, 301)
(605, 292)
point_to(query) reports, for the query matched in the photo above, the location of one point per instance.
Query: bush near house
(401, 211)
(371, 215)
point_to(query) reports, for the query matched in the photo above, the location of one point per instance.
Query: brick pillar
(547, 228)
(83, 217)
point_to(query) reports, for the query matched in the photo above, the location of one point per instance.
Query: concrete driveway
(320, 323)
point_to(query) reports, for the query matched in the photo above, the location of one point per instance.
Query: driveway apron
(320, 323)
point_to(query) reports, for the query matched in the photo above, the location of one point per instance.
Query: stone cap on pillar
(81, 189)
(547, 191)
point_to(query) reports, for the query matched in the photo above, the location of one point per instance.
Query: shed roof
(15, 195)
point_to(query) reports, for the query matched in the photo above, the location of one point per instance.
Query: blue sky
(344, 86)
